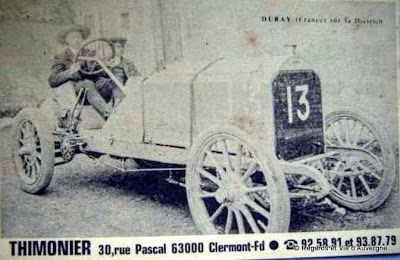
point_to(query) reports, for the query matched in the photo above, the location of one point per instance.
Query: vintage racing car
(250, 135)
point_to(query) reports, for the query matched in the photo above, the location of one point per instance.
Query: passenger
(122, 69)
(65, 69)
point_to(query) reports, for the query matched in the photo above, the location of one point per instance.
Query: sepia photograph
(136, 118)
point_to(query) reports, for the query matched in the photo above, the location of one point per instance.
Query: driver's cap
(83, 30)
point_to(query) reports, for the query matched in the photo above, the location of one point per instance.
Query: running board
(166, 154)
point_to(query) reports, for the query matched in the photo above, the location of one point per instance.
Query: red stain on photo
(252, 38)
(356, 26)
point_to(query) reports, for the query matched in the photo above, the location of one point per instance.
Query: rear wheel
(363, 172)
(231, 188)
(33, 150)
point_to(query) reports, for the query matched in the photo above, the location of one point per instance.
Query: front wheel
(33, 150)
(363, 172)
(232, 188)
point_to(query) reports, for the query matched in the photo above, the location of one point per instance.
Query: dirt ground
(88, 200)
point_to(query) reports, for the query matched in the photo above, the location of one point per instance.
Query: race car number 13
(302, 115)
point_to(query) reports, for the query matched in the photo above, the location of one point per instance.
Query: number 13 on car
(297, 114)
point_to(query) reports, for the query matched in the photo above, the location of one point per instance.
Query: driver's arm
(61, 72)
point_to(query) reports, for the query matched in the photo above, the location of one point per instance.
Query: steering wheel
(100, 49)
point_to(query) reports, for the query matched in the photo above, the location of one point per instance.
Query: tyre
(33, 150)
(233, 188)
(363, 172)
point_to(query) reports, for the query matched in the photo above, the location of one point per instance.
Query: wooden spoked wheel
(33, 150)
(231, 189)
(363, 172)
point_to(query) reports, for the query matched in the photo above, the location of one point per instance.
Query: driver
(65, 69)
